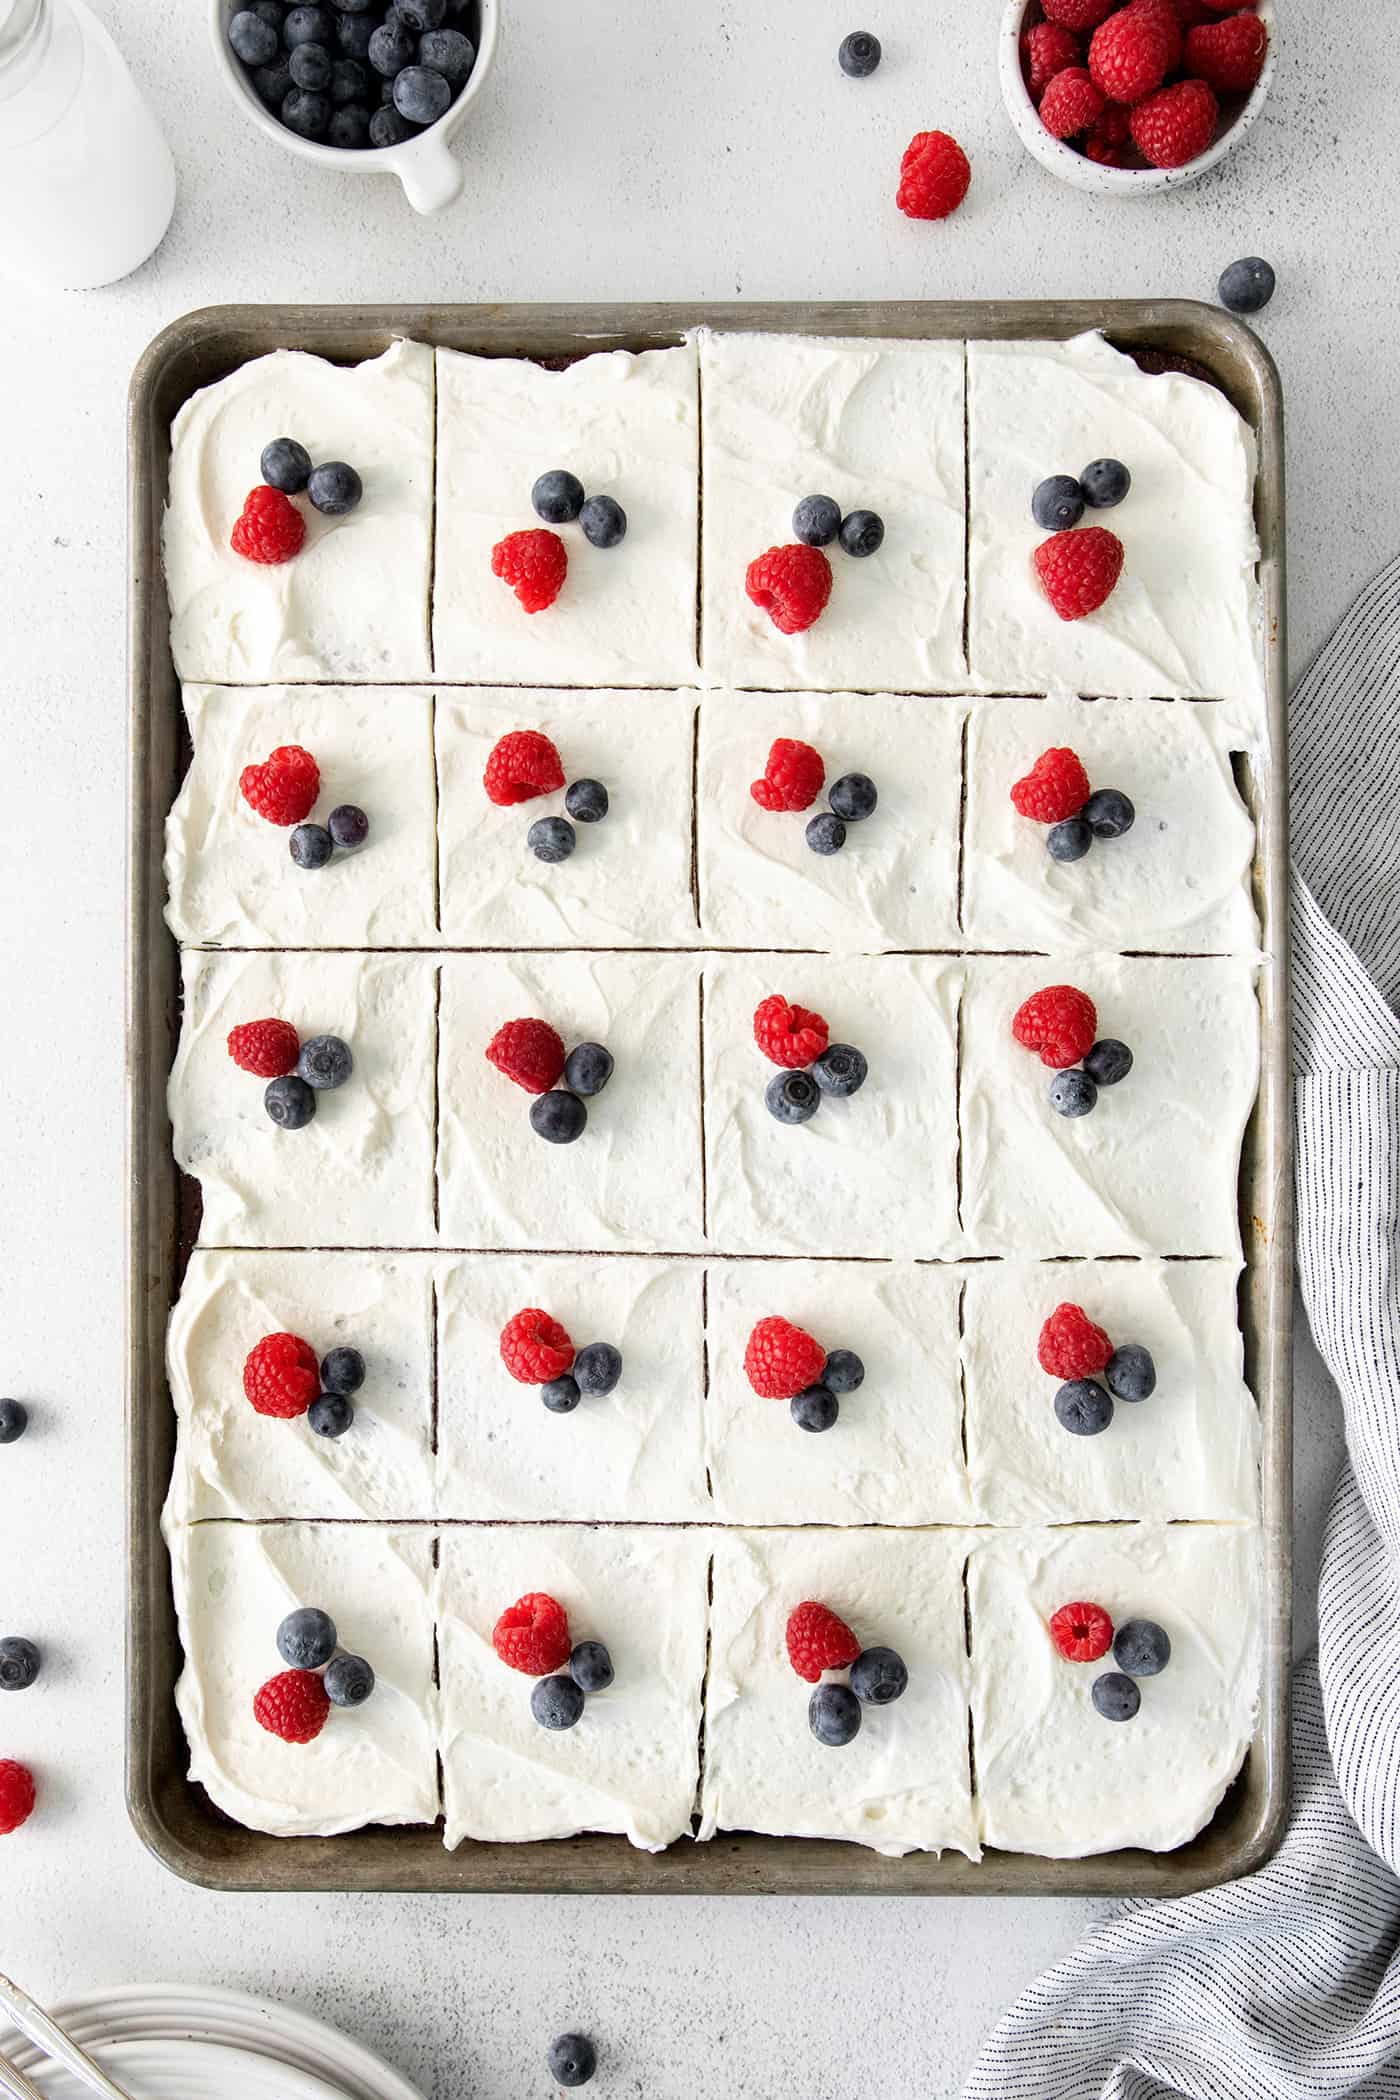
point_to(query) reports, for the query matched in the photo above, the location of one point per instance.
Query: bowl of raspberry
(1124, 97)
(365, 87)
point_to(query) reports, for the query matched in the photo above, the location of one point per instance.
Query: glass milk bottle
(87, 184)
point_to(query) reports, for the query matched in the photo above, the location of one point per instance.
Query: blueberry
(1108, 1062)
(14, 1420)
(1108, 813)
(557, 1702)
(557, 496)
(604, 521)
(1130, 1372)
(1116, 1697)
(815, 1408)
(355, 7)
(826, 833)
(859, 54)
(310, 845)
(586, 801)
(311, 67)
(349, 83)
(386, 95)
(1105, 482)
(392, 47)
(348, 128)
(551, 839)
(285, 465)
(290, 1102)
(349, 1680)
(597, 1367)
(572, 2059)
(1141, 1647)
(330, 1414)
(273, 12)
(448, 52)
(353, 34)
(1058, 503)
(325, 1062)
(342, 1371)
(558, 1116)
(1247, 285)
(19, 1663)
(590, 1666)
(421, 95)
(561, 1395)
(334, 488)
(853, 797)
(273, 83)
(1068, 840)
(307, 25)
(252, 39)
(306, 114)
(840, 1070)
(843, 1371)
(793, 1097)
(422, 14)
(1073, 1093)
(878, 1676)
(862, 532)
(348, 826)
(833, 1715)
(306, 1638)
(816, 521)
(1082, 1407)
(388, 128)
(587, 1069)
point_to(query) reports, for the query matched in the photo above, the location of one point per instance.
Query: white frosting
(1184, 617)
(375, 1763)
(627, 882)
(873, 1174)
(876, 426)
(632, 1182)
(229, 872)
(627, 426)
(1189, 1450)
(233, 1462)
(360, 1174)
(1178, 880)
(1153, 1169)
(632, 1762)
(895, 882)
(353, 603)
(903, 1783)
(1054, 1777)
(635, 1454)
(894, 1455)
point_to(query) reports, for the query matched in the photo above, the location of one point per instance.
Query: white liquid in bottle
(87, 184)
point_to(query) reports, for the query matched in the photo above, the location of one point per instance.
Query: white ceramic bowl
(431, 175)
(1077, 168)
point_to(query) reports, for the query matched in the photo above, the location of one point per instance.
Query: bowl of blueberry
(376, 87)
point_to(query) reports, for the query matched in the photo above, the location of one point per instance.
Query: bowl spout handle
(431, 174)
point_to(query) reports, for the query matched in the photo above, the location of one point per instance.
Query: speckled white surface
(703, 135)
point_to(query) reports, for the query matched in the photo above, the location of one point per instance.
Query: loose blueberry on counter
(843, 1371)
(853, 797)
(1115, 1696)
(1130, 1373)
(587, 1069)
(1105, 482)
(1082, 1407)
(1058, 503)
(325, 1062)
(557, 496)
(572, 2059)
(862, 533)
(1109, 1061)
(586, 801)
(19, 1663)
(561, 1395)
(254, 41)
(1141, 1647)
(826, 833)
(815, 1408)
(334, 488)
(307, 25)
(421, 95)
(879, 1676)
(308, 115)
(557, 1702)
(604, 522)
(14, 1420)
(1108, 813)
(558, 1117)
(342, 1371)
(551, 839)
(590, 1666)
(349, 1680)
(816, 521)
(311, 845)
(285, 465)
(306, 1638)
(290, 1102)
(597, 1367)
(841, 1070)
(1073, 1093)
(859, 54)
(348, 826)
(793, 1097)
(392, 47)
(348, 127)
(330, 1415)
(387, 127)
(1068, 840)
(448, 52)
(1247, 285)
(833, 1715)
(310, 66)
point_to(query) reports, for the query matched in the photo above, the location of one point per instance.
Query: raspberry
(817, 1640)
(267, 1049)
(270, 528)
(284, 787)
(535, 1348)
(792, 778)
(281, 1376)
(1059, 1022)
(1056, 787)
(1168, 13)
(1078, 15)
(1107, 141)
(1071, 1346)
(16, 1795)
(1229, 56)
(534, 564)
(1082, 1632)
(1223, 7)
(293, 1705)
(532, 1635)
(522, 764)
(781, 1359)
(791, 584)
(1129, 55)
(1177, 123)
(529, 1052)
(1047, 50)
(1079, 569)
(1071, 103)
(933, 176)
(790, 1036)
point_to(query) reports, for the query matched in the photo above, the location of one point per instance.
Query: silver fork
(14, 2082)
(32, 2021)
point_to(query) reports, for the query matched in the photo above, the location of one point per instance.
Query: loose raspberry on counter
(791, 1036)
(1046, 50)
(532, 1635)
(1071, 1346)
(1059, 1022)
(1056, 787)
(281, 1376)
(792, 778)
(534, 563)
(16, 1795)
(781, 1359)
(1229, 56)
(933, 176)
(284, 787)
(292, 1705)
(1174, 125)
(791, 584)
(1071, 103)
(1078, 15)
(529, 1052)
(1129, 54)
(1082, 1632)
(817, 1640)
(269, 528)
(523, 763)
(1078, 570)
(268, 1049)
(534, 1347)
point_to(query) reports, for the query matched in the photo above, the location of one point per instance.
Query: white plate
(181, 2070)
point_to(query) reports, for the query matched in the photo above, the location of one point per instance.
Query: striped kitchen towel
(1286, 1986)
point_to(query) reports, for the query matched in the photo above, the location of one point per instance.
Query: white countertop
(623, 150)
